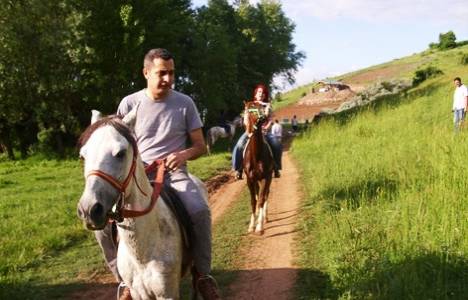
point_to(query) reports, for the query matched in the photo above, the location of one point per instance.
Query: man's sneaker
(208, 288)
(277, 174)
(125, 295)
(238, 175)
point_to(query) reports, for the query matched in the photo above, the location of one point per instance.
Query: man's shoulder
(133, 98)
(181, 97)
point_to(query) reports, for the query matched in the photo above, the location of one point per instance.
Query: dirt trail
(268, 270)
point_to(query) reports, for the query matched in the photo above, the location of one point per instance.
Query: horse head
(109, 152)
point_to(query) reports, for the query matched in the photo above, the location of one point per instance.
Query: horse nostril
(97, 211)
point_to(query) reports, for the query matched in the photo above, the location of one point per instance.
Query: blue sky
(339, 36)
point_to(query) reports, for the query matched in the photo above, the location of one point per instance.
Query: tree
(447, 40)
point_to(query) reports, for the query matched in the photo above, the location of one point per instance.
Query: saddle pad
(175, 204)
(264, 141)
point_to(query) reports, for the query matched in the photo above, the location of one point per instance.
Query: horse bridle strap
(121, 212)
(157, 187)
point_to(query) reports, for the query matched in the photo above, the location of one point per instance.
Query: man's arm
(197, 149)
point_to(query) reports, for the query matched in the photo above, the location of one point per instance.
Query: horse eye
(121, 153)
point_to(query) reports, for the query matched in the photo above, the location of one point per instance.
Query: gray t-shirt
(161, 127)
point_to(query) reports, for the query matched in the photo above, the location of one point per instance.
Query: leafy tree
(447, 40)
(267, 49)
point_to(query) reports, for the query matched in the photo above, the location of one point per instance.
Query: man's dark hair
(457, 79)
(156, 53)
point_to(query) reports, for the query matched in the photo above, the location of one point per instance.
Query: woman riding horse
(261, 97)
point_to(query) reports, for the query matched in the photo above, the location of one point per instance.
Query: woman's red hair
(265, 92)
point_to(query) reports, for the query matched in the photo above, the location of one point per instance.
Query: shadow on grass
(106, 291)
(358, 194)
(428, 276)
(74, 291)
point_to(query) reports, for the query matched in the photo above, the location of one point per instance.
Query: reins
(119, 212)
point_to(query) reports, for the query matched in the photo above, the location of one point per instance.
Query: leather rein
(119, 212)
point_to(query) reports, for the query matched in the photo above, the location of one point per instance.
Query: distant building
(327, 85)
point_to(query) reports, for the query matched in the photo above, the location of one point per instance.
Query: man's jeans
(458, 118)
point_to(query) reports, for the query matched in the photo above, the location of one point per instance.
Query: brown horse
(258, 165)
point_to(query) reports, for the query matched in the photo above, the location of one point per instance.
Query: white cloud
(380, 10)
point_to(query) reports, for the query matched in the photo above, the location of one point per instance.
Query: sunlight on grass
(386, 209)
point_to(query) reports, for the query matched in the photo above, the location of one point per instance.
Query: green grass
(44, 250)
(386, 208)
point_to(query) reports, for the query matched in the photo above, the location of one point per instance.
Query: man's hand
(198, 148)
(175, 160)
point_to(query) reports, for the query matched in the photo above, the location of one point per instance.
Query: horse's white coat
(217, 132)
(151, 248)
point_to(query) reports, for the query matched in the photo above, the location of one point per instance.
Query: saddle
(264, 141)
(227, 128)
(169, 196)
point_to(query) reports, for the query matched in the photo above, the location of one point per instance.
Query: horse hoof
(250, 230)
(259, 232)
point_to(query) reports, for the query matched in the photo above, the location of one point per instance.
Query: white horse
(151, 258)
(216, 132)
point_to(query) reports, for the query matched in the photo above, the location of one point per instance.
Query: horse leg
(260, 204)
(263, 203)
(267, 194)
(253, 203)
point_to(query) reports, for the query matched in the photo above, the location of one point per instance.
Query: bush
(423, 74)
(464, 59)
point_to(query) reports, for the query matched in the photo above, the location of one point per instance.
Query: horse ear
(96, 115)
(130, 118)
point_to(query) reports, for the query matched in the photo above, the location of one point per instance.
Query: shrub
(423, 74)
(464, 59)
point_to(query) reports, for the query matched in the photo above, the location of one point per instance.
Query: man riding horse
(165, 118)
(260, 97)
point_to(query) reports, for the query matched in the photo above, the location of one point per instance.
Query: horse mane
(115, 122)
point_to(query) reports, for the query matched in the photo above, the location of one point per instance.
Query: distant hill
(397, 69)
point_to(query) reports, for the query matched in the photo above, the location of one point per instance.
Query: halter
(118, 213)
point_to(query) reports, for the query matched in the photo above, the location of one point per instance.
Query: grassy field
(44, 250)
(386, 208)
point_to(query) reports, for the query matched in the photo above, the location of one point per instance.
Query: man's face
(160, 77)
(457, 83)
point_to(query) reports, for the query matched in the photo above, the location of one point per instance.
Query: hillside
(293, 101)
(385, 214)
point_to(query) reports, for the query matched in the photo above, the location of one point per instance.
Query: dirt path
(268, 271)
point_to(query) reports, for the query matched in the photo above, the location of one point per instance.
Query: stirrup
(121, 286)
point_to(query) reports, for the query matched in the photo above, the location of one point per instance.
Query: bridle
(118, 213)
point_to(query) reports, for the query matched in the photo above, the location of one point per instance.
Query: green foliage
(426, 73)
(464, 59)
(60, 59)
(447, 40)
